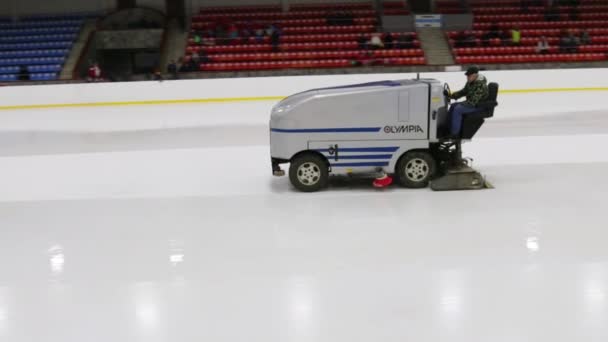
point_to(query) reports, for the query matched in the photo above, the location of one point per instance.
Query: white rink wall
(109, 118)
(275, 86)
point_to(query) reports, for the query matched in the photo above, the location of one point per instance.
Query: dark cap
(472, 70)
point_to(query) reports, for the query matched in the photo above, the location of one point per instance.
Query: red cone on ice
(383, 182)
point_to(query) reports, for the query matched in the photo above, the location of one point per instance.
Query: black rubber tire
(425, 162)
(317, 163)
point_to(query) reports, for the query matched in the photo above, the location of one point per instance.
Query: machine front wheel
(415, 169)
(308, 173)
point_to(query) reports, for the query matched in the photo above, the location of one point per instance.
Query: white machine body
(359, 128)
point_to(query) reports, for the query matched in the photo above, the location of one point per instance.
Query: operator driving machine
(397, 127)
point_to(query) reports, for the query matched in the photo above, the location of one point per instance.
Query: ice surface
(173, 229)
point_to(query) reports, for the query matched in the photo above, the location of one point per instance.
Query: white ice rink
(182, 234)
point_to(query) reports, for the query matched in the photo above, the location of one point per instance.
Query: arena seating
(41, 44)
(531, 19)
(309, 38)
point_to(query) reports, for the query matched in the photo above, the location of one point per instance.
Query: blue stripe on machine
(362, 149)
(359, 164)
(329, 130)
(368, 156)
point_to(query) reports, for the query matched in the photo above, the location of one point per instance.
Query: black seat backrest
(492, 91)
(490, 103)
(472, 122)
(492, 95)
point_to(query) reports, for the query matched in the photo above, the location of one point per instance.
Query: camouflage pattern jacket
(475, 91)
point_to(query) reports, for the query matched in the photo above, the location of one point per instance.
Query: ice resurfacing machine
(398, 127)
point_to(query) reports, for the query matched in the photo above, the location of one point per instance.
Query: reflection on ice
(56, 259)
(532, 244)
(302, 307)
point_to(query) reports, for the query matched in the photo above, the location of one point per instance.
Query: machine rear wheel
(415, 169)
(308, 173)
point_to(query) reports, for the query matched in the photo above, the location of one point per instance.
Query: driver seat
(473, 121)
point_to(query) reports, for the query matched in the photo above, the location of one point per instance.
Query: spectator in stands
(543, 46)
(515, 36)
(574, 42)
(259, 33)
(465, 39)
(459, 39)
(172, 69)
(389, 40)
(192, 65)
(94, 73)
(275, 40)
(552, 13)
(405, 41)
(362, 41)
(203, 58)
(270, 29)
(493, 33)
(157, 75)
(233, 33)
(24, 73)
(195, 57)
(210, 32)
(485, 39)
(585, 37)
(564, 41)
(360, 58)
(183, 65)
(245, 34)
(208, 41)
(220, 33)
(197, 38)
(569, 43)
(376, 41)
(365, 58)
(470, 40)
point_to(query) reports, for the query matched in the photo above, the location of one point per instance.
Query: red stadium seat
(283, 56)
(284, 23)
(590, 15)
(274, 15)
(543, 24)
(307, 41)
(500, 59)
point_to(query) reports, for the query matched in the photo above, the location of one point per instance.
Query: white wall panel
(118, 118)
